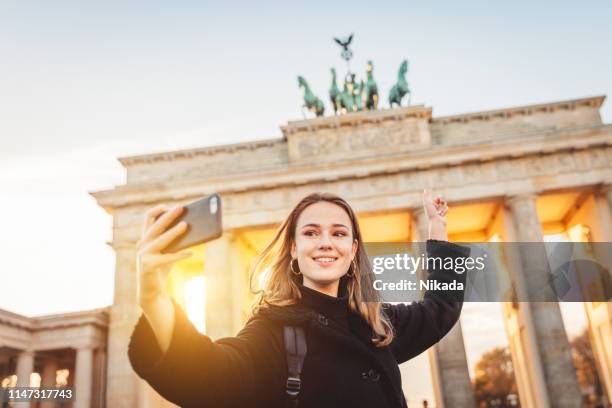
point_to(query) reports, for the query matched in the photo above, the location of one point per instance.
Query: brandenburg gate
(511, 175)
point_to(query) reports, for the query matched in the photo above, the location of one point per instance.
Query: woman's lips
(325, 261)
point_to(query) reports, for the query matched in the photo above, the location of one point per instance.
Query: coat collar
(311, 305)
(335, 308)
(315, 308)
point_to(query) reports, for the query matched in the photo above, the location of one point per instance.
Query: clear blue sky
(78, 74)
(82, 83)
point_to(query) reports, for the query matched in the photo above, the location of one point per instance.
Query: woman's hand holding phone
(153, 268)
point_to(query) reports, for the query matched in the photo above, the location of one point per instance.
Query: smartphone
(203, 218)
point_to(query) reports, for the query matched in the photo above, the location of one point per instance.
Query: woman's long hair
(280, 289)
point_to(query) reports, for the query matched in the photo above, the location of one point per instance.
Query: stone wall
(198, 163)
(508, 123)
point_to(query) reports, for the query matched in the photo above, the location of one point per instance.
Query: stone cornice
(506, 113)
(96, 317)
(295, 175)
(204, 151)
(16, 320)
(357, 118)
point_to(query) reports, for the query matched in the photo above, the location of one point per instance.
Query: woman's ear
(293, 251)
(355, 247)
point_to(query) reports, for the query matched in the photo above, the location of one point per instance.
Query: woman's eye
(336, 234)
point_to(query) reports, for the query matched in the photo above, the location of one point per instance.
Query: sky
(83, 83)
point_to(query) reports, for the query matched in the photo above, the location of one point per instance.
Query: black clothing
(342, 368)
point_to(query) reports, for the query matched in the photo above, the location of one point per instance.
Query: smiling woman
(344, 351)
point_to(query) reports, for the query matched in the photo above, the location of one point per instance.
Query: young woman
(318, 279)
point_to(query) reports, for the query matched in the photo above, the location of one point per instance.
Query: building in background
(66, 349)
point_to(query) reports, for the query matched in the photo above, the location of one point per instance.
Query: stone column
(449, 368)
(601, 231)
(49, 374)
(241, 253)
(528, 371)
(218, 269)
(99, 379)
(599, 314)
(121, 380)
(48, 379)
(4, 361)
(552, 343)
(83, 377)
(607, 191)
(25, 367)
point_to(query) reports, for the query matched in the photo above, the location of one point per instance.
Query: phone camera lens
(214, 205)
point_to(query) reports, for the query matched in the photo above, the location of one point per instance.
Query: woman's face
(324, 245)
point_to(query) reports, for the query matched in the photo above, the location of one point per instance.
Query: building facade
(75, 343)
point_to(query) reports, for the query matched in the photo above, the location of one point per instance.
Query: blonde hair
(280, 289)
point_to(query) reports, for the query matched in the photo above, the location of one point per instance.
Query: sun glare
(195, 302)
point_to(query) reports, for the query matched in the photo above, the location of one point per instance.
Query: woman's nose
(324, 241)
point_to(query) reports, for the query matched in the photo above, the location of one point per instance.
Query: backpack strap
(295, 347)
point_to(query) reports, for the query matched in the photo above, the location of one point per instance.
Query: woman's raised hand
(152, 266)
(436, 209)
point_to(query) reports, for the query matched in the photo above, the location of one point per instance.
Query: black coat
(342, 367)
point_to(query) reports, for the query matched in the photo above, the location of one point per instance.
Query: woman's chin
(323, 279)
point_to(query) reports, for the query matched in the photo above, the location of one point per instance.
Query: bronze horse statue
(311, 101)
(400, 88)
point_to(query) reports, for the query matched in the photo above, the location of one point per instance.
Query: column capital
(525, 217)
(521, 197)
